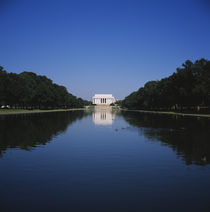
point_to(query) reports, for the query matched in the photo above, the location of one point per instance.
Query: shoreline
(37, 111)
(171, 113)
(5, 112)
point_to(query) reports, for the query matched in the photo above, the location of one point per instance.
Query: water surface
(104, 161)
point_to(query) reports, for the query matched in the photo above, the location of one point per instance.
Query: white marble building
(103, 99)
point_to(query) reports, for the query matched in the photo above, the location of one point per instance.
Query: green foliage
(188, 87)
(28, 90)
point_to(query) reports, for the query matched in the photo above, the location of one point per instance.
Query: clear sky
(102, 46)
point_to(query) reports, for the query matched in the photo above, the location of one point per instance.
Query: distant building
(103, 99)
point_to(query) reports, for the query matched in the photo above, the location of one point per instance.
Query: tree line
(186, 89)
(28, 90)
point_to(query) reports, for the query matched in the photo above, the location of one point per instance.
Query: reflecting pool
(104, 160)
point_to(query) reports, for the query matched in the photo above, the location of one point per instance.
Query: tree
(188, 87)
(28, 90)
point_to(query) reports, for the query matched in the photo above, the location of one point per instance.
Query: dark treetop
(187, 88)
(28, 90)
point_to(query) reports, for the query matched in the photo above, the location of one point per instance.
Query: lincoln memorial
(103, 99)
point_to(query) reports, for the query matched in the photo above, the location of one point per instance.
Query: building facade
(103, 99)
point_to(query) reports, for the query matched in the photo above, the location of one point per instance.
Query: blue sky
(102, 46)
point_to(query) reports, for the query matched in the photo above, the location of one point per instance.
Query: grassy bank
(22, 111)
(171, 113)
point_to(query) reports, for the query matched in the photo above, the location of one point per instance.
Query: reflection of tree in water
(28, 131)
(188, 136)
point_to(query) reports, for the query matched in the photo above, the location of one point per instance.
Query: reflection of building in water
(103, 116)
